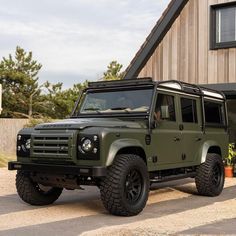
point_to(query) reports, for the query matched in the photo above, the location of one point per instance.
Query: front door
(166, 137)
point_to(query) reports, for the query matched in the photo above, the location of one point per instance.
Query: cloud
(77, 37)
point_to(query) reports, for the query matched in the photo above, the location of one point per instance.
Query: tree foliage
(19, 80)
(113, 71)
(23, 97)
(59, 102)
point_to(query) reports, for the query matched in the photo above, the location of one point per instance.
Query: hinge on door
(154, 159)
(148, 139)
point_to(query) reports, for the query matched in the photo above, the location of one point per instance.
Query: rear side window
(188, 110)
(214, 112)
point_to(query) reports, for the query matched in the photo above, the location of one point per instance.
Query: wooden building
(193, 41)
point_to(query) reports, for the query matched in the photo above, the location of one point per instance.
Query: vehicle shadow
(75, 226)
(12, 203)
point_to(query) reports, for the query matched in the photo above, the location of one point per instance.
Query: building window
(223, 26)
(188, 110)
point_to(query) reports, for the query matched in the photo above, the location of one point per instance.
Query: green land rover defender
(123, 136)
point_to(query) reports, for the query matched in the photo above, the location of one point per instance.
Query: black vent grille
(51, 146)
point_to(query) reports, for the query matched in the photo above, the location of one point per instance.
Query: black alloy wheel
(124, 190)
(216, 175)
(133, 186)
(210, 176)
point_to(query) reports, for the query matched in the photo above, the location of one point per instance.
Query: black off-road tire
(31, 193)
(124, 190)
(210, 176)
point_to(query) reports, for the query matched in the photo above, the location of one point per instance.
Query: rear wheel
(210, 176)
(124, 191)
(34, 193)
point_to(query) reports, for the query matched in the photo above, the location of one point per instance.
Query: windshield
(126, 101)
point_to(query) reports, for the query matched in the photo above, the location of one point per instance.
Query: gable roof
(155, 37)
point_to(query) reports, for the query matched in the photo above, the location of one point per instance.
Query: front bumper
(96, 171)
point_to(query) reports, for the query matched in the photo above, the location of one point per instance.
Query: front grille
(51, 146)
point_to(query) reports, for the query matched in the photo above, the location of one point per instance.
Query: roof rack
(121, 83)
(192, 88)
(173, 84)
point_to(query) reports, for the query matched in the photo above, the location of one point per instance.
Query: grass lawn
(4, 158)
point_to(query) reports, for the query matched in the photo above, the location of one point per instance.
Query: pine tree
(19, 80)
(113, 72)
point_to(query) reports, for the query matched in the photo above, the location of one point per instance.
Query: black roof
(121, 83)
(170, 84)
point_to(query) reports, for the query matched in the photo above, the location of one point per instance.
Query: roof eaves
(225, 87)
(157, 34)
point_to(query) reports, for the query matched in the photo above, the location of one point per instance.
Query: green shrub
(231, 155)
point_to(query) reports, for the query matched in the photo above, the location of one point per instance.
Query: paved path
(173, 208)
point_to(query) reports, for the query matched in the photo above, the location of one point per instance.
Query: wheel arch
(125, 146)
(210, 147)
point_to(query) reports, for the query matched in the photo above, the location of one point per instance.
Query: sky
(75, 40)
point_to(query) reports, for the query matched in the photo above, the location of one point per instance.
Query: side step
(160, 179)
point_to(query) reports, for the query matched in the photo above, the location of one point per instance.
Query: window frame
(170, 94)
(213, 44)
(223, 110)
(195, 113)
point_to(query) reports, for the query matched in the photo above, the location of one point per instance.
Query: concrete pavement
(173, 208)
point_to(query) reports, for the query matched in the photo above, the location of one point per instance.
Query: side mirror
(165, 114)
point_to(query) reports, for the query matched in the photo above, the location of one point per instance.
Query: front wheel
(124, 191)
(210, 176)
(34, 193)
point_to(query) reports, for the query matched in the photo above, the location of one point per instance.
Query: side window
(165, 108)
(213, 112)
(188, 110)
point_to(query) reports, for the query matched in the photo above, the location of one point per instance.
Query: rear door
(191, 127)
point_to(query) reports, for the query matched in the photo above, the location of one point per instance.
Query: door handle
(181, 127)
(198, 139)
(176, 139)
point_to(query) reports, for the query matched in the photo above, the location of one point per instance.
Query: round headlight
(87, 145)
